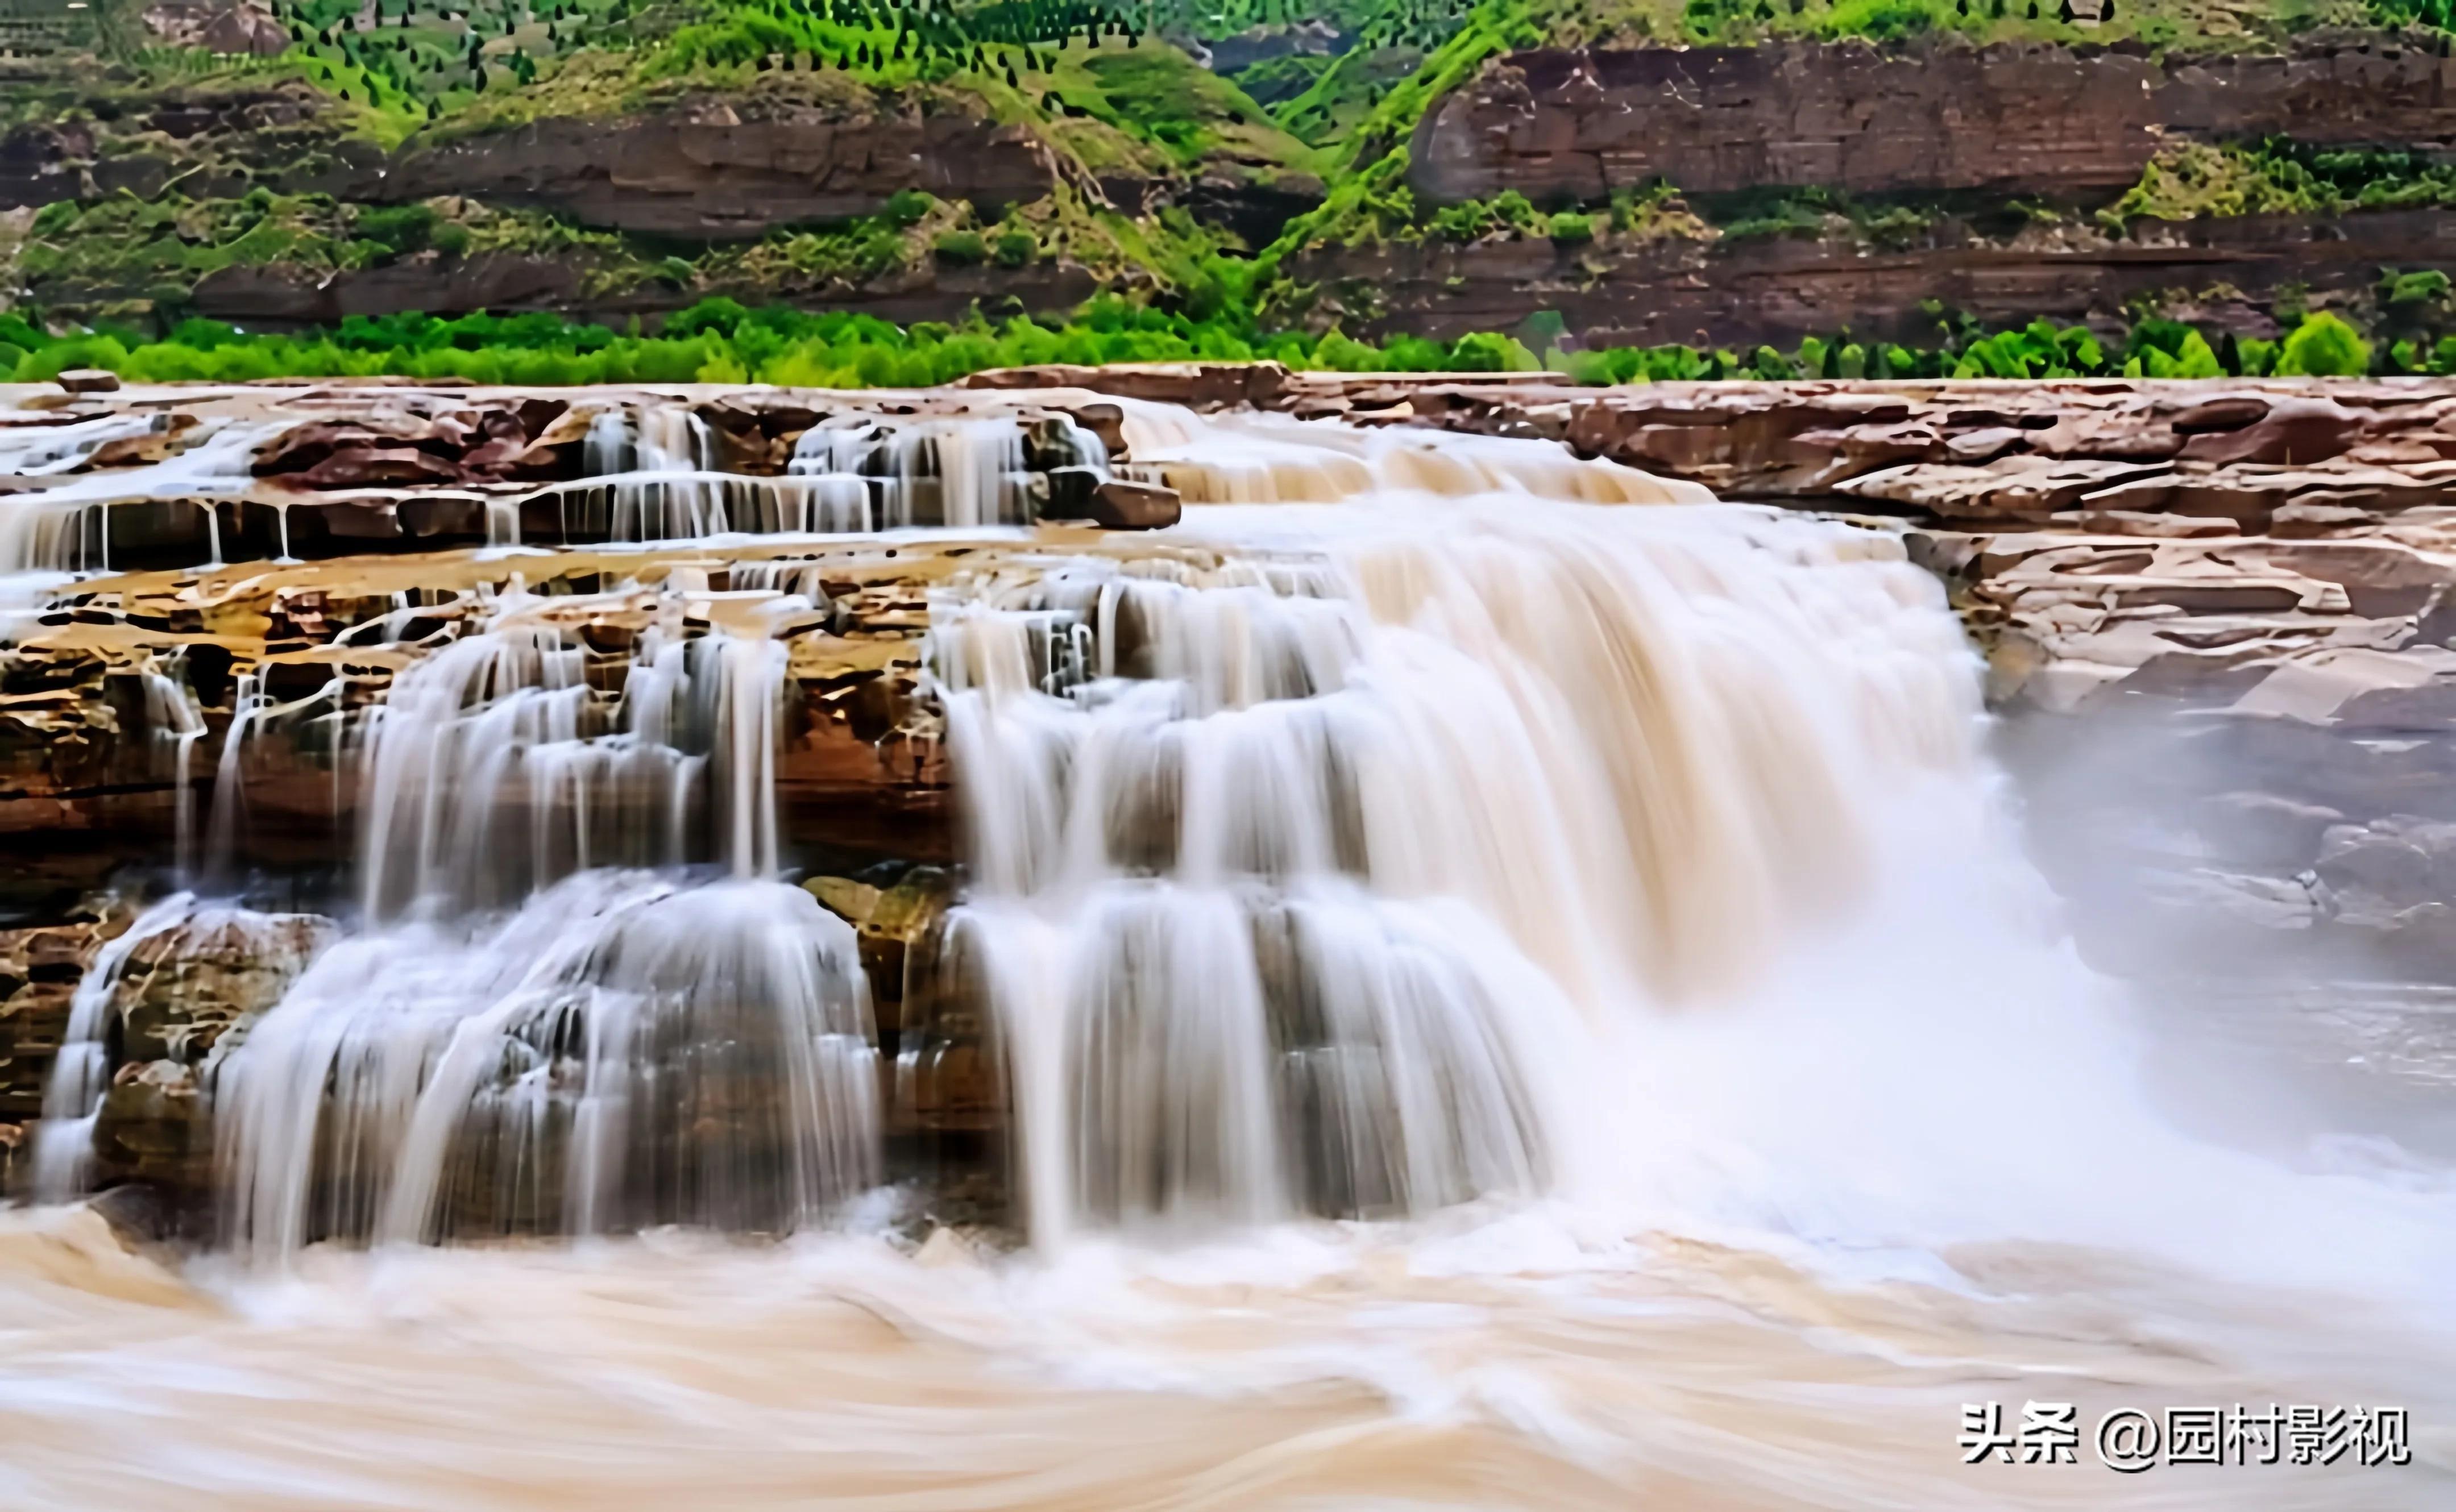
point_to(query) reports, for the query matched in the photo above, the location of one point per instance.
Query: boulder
(88, 380)
(2227, 412)
(2264, 830)
(2293, 432)
(1120, 503)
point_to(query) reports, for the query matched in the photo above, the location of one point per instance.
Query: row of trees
(720, 341)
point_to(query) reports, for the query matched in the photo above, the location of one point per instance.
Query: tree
(2323, 346)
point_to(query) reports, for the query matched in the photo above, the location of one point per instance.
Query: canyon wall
(1737, 291)
(2004, 153)
(2050, 121)
(698, 166)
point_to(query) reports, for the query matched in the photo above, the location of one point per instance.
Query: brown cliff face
(697, 167)
(507, 283)
(1737, 291)
(2046, 121)
(717, 170)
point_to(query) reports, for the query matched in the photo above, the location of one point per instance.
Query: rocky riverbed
(2216, 619)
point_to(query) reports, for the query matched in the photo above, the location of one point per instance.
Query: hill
(1712, 173)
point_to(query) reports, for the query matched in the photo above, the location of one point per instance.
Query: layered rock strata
(2039, 120)
(1736, 292)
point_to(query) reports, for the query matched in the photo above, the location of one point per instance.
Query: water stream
(1508, 983)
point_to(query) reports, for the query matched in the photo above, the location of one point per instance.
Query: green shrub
(1517, 212)
(1489, 352)
(1570, 229)
(1016, 247)
(1883, 20)
(400, 228)
(964, 249)
(906, 207)
(2323, 346)
(717, 316)
(2407, 290)
(882, 251)
(1465, 222)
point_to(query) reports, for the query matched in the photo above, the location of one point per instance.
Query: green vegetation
(2194, 179)
(1115, 88)
(721, 341)
(2323, 346)
(2163, 25)
(1818, 212)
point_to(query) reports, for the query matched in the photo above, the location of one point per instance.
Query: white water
(960, 473)
(65, 526)
(621, 1051)
(650, 473)
(64, 1139)
(499, 763)
(1444, 821)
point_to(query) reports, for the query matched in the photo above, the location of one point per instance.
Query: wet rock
(890, 921)
(40, 967)
(1196, 385)
(2265, 829)
(1120, 503)
(139, 1213)
(180, 990)
(373, 467)
(154, 1126)
(1071, 492)
(2400, 859)
(2242, 899)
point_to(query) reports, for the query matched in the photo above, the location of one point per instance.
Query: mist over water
(1517, 988)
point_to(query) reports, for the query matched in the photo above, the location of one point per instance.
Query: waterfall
(962, 473)
(64, 1140)
(1299, 874)
(1311, 847)
(519, 754)
(559, 1026)
(171, 714)
(652, 474)
(65, 526)
(622, 1049)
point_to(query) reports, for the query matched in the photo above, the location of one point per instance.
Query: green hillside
(1196, 155)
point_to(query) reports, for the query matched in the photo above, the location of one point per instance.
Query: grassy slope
(1145, 111)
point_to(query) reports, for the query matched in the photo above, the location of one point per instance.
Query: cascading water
(630, 1044)
(625, 1050)
(1299, 873)
(65, 526)
(1428, 830)
(963, 473)
(651, 473)
(504, 761)
(64, 1140)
